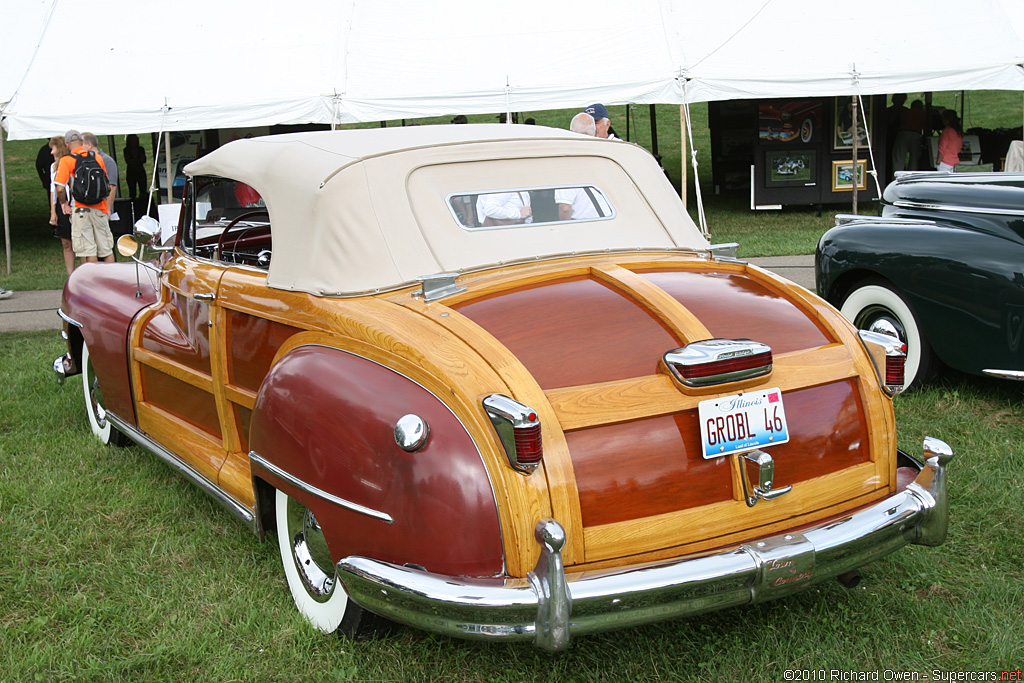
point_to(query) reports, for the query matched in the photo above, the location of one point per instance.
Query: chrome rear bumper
(551, 605)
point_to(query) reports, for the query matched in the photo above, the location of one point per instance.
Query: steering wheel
(235, 221)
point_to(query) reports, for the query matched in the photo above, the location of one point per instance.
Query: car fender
(964, 286)
(323, 431)
(100, 301)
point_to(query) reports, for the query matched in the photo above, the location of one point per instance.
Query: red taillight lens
(518, 428)
(894, 370)
(726, 367)
(528, 445)
(717, 361)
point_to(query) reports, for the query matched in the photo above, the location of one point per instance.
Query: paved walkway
(30, 311)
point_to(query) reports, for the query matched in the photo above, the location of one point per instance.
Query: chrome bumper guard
(550, 605)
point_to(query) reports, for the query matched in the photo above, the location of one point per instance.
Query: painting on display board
(842, 175)
(842, 135)
(790, 168)
(789, 121)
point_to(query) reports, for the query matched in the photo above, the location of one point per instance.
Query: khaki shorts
(90, 233)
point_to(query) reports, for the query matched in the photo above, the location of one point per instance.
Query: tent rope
(702, 219)
(873, 171)
(159, 140)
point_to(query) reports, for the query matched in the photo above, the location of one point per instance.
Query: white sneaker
(5, 293)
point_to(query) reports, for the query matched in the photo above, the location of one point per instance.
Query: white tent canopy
(115, 67)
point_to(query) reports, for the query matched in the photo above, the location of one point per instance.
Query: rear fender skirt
(323, 431)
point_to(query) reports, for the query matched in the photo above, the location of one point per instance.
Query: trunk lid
(594, 341)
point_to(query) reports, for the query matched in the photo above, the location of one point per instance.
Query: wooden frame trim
(164, 427)
(656, 395)
(684, 325)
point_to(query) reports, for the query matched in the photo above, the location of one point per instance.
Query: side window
(227, 221)
(529, 206)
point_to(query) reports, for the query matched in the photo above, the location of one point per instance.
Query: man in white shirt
(581, 203)
(503, 208)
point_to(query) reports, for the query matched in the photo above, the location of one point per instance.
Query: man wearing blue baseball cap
(601, 120)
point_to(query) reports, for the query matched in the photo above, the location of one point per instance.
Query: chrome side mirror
(146, 230)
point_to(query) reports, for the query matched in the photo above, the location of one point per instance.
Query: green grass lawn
(113, 568)
(36, 255)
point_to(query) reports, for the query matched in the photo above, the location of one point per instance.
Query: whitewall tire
(879, 308)
(95, 408)
(312, 578)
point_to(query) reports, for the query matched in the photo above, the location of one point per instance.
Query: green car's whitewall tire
(877, 307)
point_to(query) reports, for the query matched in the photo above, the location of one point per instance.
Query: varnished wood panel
(827, 433)
(574, 332)
(650, 467)
(745, 535)
(644, 468)
(713, 525)
(252, 342)
(194, 407)
(557, 466)
(732, 306)
(244, 417)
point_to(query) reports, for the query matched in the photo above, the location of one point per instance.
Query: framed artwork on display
(842, 135)
(842, 175)
(790, 121)
(790, 168)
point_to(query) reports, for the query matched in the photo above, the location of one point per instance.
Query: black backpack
(89, 185)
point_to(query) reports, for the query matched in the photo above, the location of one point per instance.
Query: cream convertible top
(359, 211)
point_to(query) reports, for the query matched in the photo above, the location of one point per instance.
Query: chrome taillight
(518, 428)
(715, 361)
(889, 356)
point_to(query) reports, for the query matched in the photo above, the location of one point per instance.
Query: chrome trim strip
(309, 488)
(535, 609)
(846, 219)
(920, 206)
(1005, 374)
(68, 319)
(186, 470)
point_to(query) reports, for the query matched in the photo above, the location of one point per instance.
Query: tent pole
(856, 134)
(683, 180)
(654, 133)
(170, 171)
(3, 182)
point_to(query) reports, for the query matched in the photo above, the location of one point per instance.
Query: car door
(176, 366)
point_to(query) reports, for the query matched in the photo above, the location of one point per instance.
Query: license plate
(732, 424)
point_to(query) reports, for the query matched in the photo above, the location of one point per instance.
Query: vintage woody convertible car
(542, 425)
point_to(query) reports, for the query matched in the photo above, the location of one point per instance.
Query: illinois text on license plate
(742, 422)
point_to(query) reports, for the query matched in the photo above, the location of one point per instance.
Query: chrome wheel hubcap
(96, 398)
(882, 321)
(310, 553)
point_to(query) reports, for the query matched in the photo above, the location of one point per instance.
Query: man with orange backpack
(84, 171)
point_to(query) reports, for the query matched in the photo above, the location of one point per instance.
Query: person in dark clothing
(135, 162)
(44, 160)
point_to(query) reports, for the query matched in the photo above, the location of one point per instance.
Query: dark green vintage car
(942, 268)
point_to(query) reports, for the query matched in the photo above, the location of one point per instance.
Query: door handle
(204, 296)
